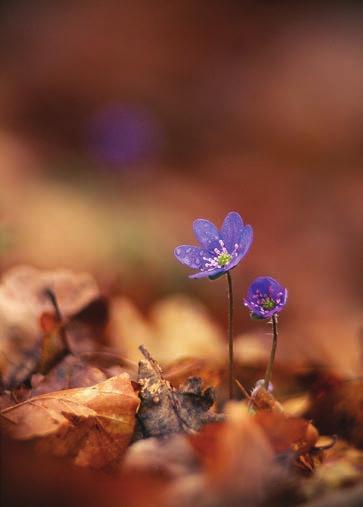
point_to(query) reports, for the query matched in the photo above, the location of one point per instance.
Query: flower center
(268, 303)
(224, 259)
(221, 257)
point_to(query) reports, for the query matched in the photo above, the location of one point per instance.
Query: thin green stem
(268, 373)
(230, 336)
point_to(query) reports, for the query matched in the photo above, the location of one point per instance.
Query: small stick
(62, 332)
(52, 298)
(156, 366)
(243, 390)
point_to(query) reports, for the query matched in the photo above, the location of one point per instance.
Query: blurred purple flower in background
(265, 297)
(220, 251)
(122, 134)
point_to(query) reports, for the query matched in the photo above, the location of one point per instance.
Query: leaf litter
(78, 398)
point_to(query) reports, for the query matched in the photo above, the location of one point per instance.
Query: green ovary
(224, 259)
(268, 304)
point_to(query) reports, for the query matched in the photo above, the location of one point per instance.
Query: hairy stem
(268, 373)
(230, 336)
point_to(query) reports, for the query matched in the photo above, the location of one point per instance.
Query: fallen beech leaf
(86, 329)
(22, 290)
(297, 405)
(23, 302)
(172, 456)
(71, 372)
(292, 438)
(6, 400)
(177, 327)
(92, 425)
(342, 467)
(237, 456)
(287, 433)
(37, 480)
(179, 371)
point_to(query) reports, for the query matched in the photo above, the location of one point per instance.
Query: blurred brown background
(121, 122)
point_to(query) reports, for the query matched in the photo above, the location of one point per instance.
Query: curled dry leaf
(86, 329)
(22, 297)
(262, 399)
(91, 425)
(177, 327)
(236, 454)
(287, 433)
(23, 302)
(172, 456)
(295, 437)
(164, 409)
(343, 465)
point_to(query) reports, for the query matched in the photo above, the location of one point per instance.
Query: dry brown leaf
(172, 456)
(177, 327)
(164, 409)
(69, 373)
(287, 433)
(179, 371)
(297, 405)
(23, 302)
(342, 467)
(235, 449)
(22, 293)
(92, 425)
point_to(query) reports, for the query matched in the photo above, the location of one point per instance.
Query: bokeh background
(121, 122)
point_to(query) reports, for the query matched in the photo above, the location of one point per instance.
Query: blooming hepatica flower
(265, 297)
(220, 250)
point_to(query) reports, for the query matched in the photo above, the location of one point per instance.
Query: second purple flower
(265, 297)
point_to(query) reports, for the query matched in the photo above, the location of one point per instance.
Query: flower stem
(230, 336)
(273, 352)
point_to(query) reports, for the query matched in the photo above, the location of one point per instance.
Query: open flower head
(265, 297)
(220, 250)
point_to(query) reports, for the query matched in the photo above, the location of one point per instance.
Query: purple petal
(191, 256)
(246, 240)
(266, 285)
(231, 230)
(244, 246)
(205, 274)
(206, 233)
(234, 262)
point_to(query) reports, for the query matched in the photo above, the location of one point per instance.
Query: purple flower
(265, 297)
(220, 250)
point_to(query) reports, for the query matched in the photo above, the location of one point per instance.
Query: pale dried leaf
(177, 327)
(93, 425)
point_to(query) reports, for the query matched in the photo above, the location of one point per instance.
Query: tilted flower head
(265, 297)
(220, 250)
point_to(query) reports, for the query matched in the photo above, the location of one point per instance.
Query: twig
(243, 390)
